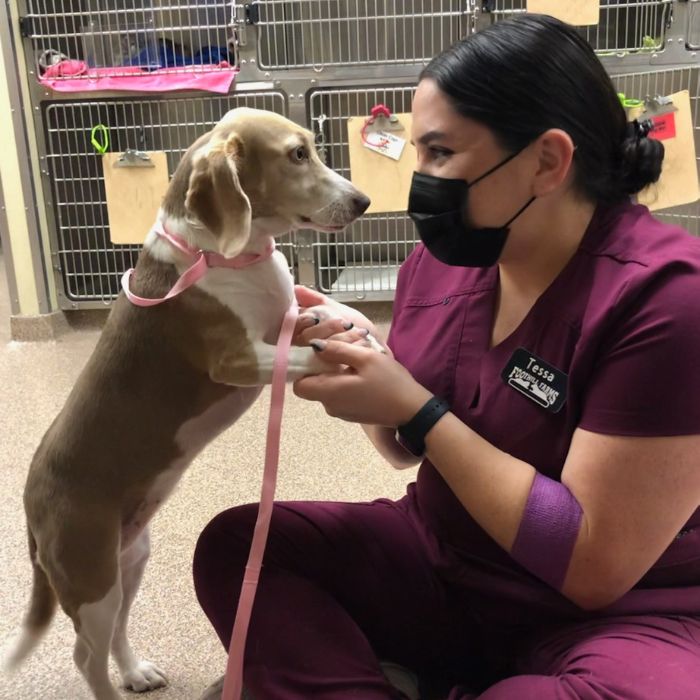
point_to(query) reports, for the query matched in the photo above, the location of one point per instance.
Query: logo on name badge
(536, 379)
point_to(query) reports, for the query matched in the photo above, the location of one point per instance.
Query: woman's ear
(215, 196)
(555, 151)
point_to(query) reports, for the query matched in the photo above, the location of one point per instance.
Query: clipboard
(579, 13)
(135, 184)
(386, 181)
(678, 184)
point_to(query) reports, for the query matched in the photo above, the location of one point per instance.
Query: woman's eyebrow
(430, 136)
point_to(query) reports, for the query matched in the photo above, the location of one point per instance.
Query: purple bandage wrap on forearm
(548, 531)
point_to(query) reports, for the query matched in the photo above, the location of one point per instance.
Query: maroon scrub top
(611, 346)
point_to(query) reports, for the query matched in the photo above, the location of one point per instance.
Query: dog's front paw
(144, 676)
(373, 343)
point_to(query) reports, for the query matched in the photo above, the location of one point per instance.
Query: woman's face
(452, 146)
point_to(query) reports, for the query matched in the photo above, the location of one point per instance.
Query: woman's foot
(401, 678)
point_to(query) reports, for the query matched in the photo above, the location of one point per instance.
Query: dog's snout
(360, 203)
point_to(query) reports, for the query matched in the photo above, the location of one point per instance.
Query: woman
(544, 342)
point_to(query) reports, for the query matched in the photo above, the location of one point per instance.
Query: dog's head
(257, 172)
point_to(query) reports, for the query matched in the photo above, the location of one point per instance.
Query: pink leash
(233, 682)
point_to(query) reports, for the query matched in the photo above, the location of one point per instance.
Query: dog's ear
(215, 196)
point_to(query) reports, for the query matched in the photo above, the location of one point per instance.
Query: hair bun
(641, 158)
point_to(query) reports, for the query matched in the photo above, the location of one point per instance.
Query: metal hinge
(26, 27)
(252, 12)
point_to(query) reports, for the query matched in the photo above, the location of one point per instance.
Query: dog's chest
(191, 438)
(259, 295)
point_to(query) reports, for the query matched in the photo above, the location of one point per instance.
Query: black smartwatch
(411, 435)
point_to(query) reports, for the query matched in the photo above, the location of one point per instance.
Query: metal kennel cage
(693, 26)
(625, 25)
(317, 61)
(140, 34)
(322, 33)
(363, 261)
(90, 264)
(666, 82)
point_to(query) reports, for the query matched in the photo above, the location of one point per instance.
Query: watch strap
(412, 434)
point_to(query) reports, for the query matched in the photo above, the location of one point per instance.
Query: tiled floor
(322, 459)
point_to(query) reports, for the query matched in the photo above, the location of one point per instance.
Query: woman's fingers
(335, 329)
(309, 297)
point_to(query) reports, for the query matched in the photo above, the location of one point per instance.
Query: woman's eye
(439, 152)
(299, 155)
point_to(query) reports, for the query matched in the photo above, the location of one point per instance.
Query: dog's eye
(300, 155)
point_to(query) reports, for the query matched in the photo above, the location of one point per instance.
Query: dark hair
(523, 76)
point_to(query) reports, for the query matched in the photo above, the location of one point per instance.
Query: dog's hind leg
(95, 624)
(41, 610)
(81, 557)
(137, 674)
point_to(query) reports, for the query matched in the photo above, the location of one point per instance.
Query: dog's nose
(361, 203)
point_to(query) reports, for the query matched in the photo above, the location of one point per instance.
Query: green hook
(101, 144)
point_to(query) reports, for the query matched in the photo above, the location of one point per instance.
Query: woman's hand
(323, 318)
(374, 389)
(310, 327)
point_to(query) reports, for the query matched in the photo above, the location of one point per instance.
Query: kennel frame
(301, 88)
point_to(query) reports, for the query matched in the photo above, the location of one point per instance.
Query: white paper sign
(385, 143)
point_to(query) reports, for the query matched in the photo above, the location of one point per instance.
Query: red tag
(664, 127)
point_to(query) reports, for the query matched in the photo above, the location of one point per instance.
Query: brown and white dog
(164, 381)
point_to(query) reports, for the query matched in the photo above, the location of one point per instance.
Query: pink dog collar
(203, 260)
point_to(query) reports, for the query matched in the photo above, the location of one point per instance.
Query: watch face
(407, 445)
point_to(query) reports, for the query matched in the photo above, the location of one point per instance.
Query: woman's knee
(222, 549)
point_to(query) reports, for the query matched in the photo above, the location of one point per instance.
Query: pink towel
(135, 79)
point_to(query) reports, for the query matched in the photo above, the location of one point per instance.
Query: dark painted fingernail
(318, 344)
(347, 325)
(317, 320)
(363, 331)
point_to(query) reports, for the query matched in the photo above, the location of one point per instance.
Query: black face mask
(438, 207)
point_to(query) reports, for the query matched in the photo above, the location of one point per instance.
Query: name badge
(536, 379)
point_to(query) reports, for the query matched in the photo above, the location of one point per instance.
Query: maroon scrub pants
(344, 585)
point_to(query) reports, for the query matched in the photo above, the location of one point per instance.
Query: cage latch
(26, 27)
